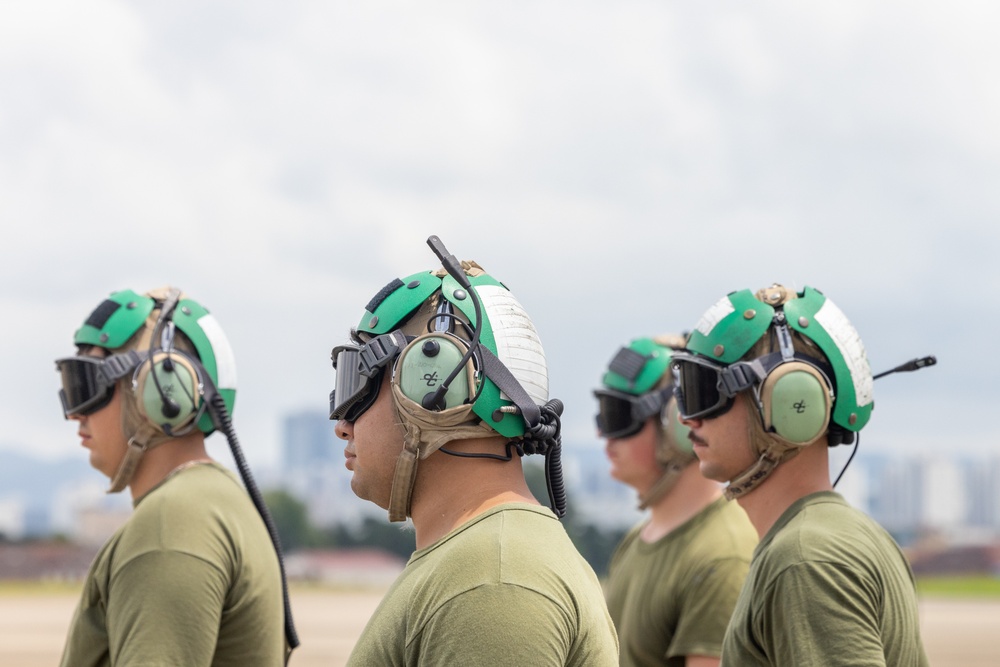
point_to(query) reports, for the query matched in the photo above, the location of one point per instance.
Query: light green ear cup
(796, 403)
(426, 362)
(180, 385)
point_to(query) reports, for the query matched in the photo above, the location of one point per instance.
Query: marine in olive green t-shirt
(673, 597)
(191, 579)
(506, 588)
(827, 586)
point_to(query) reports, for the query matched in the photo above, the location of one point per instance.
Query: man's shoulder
(190, 510)
(826, 529)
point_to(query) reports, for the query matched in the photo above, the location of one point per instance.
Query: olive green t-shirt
(827, 586)
(673, 597)
(506, 588)
(191, 579)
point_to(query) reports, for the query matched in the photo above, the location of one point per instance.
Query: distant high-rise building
(308, 440)
(313, 471)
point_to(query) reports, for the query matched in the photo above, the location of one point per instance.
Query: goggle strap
(379, 351)
(647, 405)
(119, 365)
(739, 376)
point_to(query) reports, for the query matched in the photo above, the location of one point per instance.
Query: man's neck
(796, 478)
(451, 491)
(690, 495)
(159, 462)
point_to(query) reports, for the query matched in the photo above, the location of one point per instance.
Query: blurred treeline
(296, 532)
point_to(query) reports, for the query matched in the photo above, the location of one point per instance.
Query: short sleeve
(499, 625)
(707, 606)
(819, 613)
(164, 608)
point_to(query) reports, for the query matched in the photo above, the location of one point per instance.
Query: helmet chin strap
(667, 481)
(774, 455)
(144, 440)
(673, 460)
(425, 432)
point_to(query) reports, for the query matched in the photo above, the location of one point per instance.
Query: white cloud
(620, 166)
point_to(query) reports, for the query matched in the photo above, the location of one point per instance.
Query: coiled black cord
(225, 424)
(545, 438)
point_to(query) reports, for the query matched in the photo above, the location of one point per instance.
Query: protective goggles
(359, 374)
(88, 383)
(706, 390)
(621, 415)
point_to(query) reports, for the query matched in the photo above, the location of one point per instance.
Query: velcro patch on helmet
(102, 314)
(377, 300)
(628, 363)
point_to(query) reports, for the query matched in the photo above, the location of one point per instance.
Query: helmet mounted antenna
(541, 422)
(909, 366)
(435, 400)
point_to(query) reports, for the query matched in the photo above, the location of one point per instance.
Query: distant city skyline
(955, 497)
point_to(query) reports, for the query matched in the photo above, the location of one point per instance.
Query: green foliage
(291, 520)
(378, 533)
(960, 587)
(594, 544)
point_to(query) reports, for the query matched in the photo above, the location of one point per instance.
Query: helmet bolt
(104, 338)
(131, 305)
(749, 314)
(853, 419)
(412, 284)
(497, 415)
(373, 321)
(186, 310)
(459, 294)
(430, 348)
(719, 349)
(803, 322)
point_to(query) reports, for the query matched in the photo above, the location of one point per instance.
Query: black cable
(857, 441)
(546, 438)
(470, 332)
(225, 425)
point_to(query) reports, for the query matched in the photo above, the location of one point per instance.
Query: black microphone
(911, 365)
(170, 408)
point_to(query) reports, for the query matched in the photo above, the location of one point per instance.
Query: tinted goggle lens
(616, 417)
(85, 388)
(698, 390)
(353, 392)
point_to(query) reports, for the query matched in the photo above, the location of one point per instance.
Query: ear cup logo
(177, 400)
(425, 363)
(796, 401)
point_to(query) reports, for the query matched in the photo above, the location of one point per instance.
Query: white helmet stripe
(225, 361)
(518, 345)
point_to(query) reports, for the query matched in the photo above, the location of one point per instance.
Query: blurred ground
(957, 633)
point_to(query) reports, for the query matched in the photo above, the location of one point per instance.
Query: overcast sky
(619, 165)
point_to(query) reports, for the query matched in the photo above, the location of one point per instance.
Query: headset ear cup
(426, 362)
(178, 384)
(796, 400)
(674, 429)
